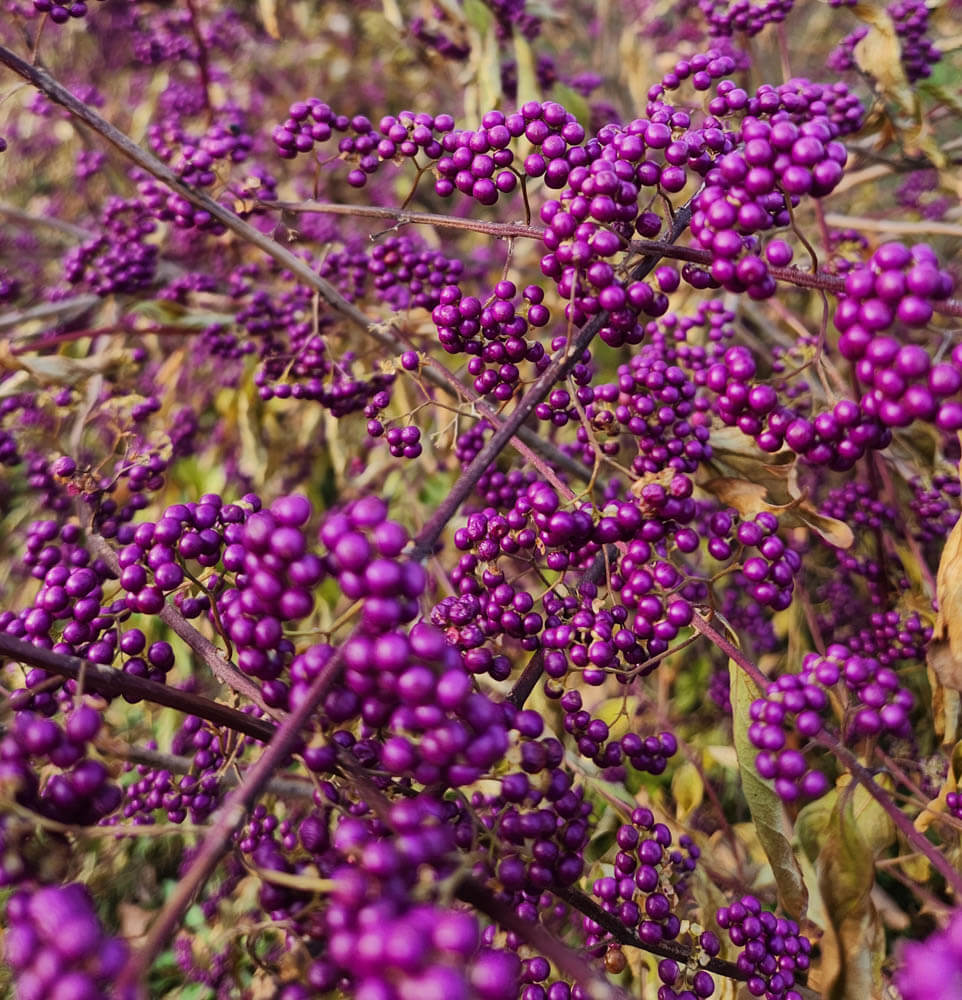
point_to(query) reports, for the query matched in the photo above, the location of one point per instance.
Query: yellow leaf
(946, 705)
(687, 789)
(268, 12)
(617, 714)
(59, 369)
(527, 76)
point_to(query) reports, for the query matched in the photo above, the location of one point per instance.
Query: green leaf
(768, 813)
(812, 823)
(853, 947)
(478, 15)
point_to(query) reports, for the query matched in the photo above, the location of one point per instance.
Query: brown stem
(203, 60)
(54, 340)
(569, 962)
(298, 788)
(45, 221)
(500, 230)
(115, 683)
(68, 308)
(666, 949)
(508, 230)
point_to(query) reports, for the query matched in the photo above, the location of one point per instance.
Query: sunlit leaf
(753, 481)
(59, 369)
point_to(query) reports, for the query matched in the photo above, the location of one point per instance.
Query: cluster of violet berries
(876, 704)
(118, 259)
(774, 955)
(649, 877)
(60, 13)
(650, 754)
(896, 288)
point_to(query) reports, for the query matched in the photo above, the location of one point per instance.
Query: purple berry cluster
(919, 53)
(836, 438)
(493, 334)
(750, 191)
(875, 704)
(397, 137)
(650, 754)
(774, 954)
(932, 968)
(60, 13)
(199, 160)
(729, 17)
(119, 260)
(649, 879)
(56, 946)
(897, 288)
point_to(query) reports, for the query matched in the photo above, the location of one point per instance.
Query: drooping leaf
(768, 812)
(478, 15)
(267, 9)
(945, 649)
(57, 369)
(879, 55)
(853, 947)
(812, 823)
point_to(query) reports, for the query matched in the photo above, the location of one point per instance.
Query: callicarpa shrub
(480, 500)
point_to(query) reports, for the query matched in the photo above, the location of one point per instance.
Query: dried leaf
(58, 369)
(749, 499)
(879, 54)
(945, 649)
(853, 947)
(946, 706)
(768, 812)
